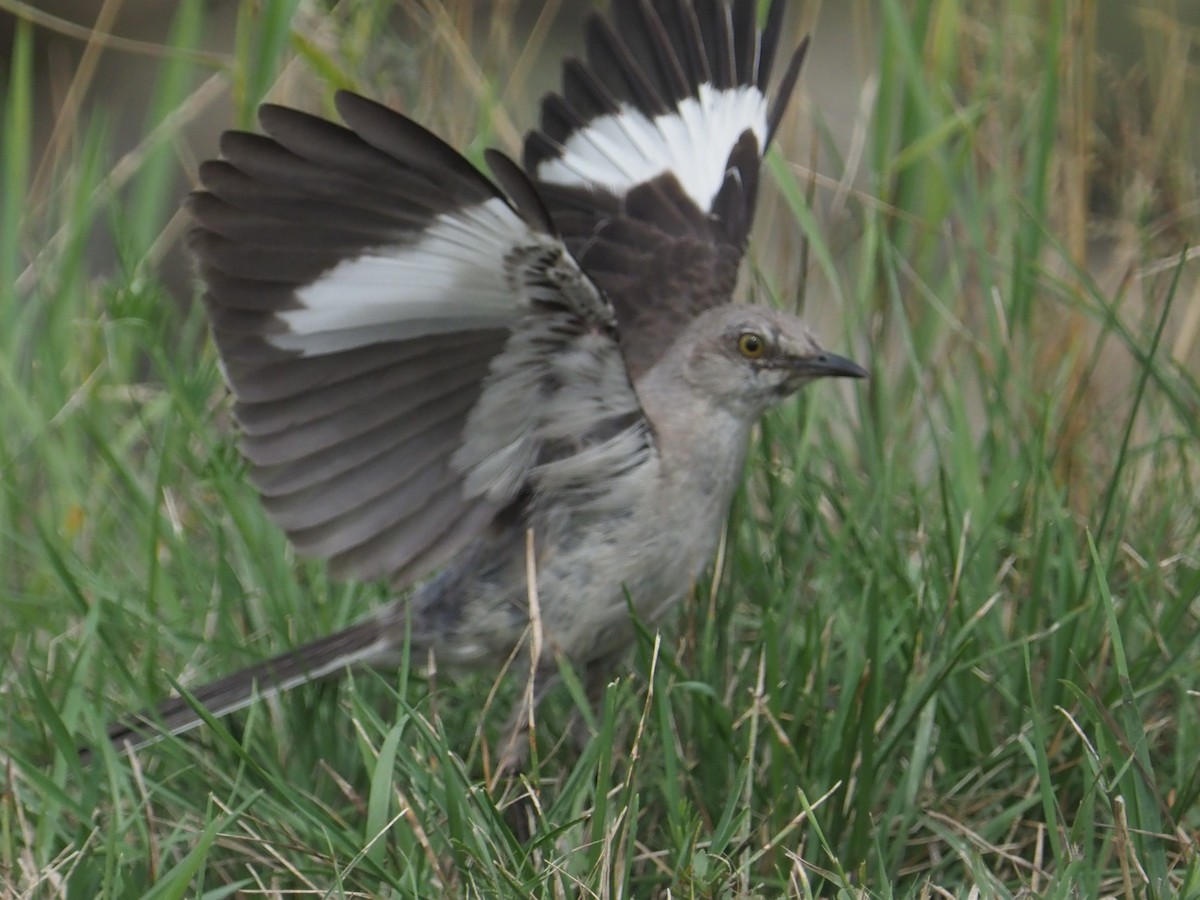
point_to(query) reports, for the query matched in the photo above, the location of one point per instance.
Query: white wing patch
(451, 279)
(620, 151)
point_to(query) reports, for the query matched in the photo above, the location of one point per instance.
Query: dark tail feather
(364, 644)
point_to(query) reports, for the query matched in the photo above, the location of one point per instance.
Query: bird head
(748, 358)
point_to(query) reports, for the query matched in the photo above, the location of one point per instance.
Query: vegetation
(951, 647)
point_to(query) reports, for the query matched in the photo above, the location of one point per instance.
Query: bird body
(533, 387)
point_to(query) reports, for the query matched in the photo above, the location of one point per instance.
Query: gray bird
(534, 387)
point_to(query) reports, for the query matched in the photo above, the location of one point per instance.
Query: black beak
(829, 365)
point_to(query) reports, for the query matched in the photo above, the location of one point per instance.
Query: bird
(516, 396)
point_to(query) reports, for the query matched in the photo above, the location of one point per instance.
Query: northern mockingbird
(532, 383)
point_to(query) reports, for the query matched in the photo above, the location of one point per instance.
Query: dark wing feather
(648, 40)
(649, 159)
(716, 30)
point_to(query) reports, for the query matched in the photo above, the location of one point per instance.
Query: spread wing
(649, 158)
(404, 341)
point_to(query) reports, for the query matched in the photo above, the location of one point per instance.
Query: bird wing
(648, 160)
(410, 349)
(413, 349)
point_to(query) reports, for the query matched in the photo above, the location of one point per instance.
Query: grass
(951, 648)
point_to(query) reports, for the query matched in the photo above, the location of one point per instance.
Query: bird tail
(362, 645)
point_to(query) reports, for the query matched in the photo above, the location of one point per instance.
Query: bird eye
(751, 345)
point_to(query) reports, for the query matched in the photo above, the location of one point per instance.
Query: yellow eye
(751, 345)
